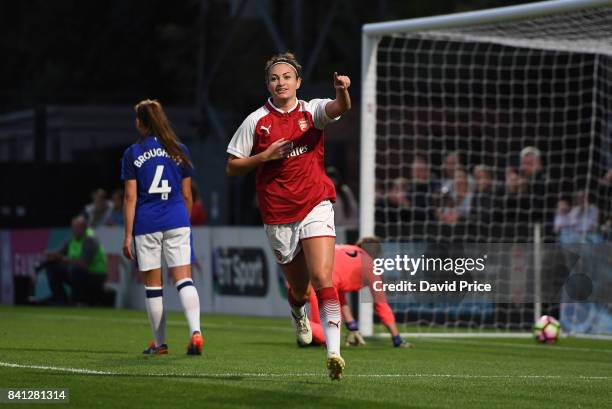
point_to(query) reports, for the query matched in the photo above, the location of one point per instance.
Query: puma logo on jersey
(330, 323)
(266, 129)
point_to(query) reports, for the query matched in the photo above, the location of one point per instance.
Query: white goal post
(407, 109)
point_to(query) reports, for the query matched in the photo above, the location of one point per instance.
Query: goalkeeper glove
(353, 338)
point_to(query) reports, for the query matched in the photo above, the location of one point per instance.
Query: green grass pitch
(254, 362)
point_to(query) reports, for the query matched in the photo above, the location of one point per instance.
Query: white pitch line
(456, 335)
(511, 345)
(83, 371)
(57, 369)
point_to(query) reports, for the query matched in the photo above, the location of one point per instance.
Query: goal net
(492, 128)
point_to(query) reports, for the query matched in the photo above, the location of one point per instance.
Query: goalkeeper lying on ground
(352, 271)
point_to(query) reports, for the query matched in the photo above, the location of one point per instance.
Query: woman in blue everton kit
(157, 172)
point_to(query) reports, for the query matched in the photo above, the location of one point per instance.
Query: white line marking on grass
(461, 335)
(83, 371)
(57, 369)
(512, 345)
(481, 335)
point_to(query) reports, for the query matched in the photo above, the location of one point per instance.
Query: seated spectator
(393, 211)
(565, 224)
(452, 162)
(457, 203)
(346, 212)
(483, 194)
(531, 162)
(507, 215)
(198, 211)
(81, 264)
(483, 201)
(534, 204)
(99, 210)
(513, 183)
(421, 195)
(397, 196)
(462, 194)
(115, 216)
(586, 217)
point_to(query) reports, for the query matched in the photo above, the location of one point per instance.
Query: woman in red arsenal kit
(284, 141)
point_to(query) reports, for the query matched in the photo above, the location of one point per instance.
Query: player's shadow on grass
(274, 344)
(70, 351)
(137, 360)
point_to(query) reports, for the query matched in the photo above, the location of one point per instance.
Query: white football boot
(303, 332)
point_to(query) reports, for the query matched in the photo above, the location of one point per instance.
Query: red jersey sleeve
(384, 312)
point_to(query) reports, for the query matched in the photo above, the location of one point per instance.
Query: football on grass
(547, 329)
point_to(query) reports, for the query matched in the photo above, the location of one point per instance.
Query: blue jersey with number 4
(160, 205)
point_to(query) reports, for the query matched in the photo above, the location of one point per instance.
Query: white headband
(283, 62)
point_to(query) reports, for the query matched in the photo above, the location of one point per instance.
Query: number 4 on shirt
(158, 185)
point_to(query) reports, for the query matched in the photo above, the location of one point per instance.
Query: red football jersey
(287, 189)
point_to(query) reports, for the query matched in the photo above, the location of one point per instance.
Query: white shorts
(285, 238)
(175, 244)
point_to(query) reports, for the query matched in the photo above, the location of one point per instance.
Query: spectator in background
(483, 179)
(534, 205)
(346, 212)
(513, 185)
(483, 201)
(397, 195)
(198, 211)
(115, 216)
(483, 193)
(507, 209)
(531, 163)
(421, 196)
(565, 224)
(462, 194)
(80, 263)
(451, 163)
(605, 203)
(99, 210)
(393, 211)
(457, 203)
(586, 218)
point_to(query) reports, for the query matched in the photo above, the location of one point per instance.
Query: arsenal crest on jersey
(303, 123)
